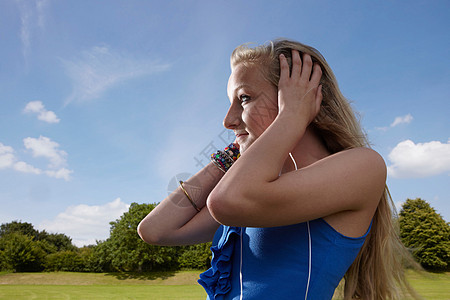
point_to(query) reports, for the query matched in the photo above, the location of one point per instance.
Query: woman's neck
(308, 150)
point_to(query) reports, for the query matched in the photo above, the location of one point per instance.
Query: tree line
(25, 249)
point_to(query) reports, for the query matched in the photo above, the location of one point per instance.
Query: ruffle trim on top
(217, 279)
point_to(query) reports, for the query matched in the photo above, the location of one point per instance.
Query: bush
(196, 257)
(69, 261)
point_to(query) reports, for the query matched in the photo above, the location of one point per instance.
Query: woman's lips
(240, 136)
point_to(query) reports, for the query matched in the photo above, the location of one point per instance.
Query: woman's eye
(244, 98)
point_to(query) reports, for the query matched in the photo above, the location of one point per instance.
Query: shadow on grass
(142, 276)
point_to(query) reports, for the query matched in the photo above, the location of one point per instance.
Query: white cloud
(101, 68)
(45, 147)
(26, 168)
(7, 157)
(41, 147)
(9, 160)
(86, 223)
(34, 107)
(410, 160)
(61, 173)
(402, 120)
(397, 121)
(44, 115)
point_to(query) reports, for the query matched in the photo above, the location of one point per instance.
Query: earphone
(309, 253)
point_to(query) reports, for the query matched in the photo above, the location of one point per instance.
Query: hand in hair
(300, 93)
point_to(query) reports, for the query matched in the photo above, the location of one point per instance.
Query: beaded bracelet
(225, 159)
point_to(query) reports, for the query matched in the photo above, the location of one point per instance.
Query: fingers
(316, 75)
(296, 64)
(284, 68)
(319, 97)
(318, 101)
(302, 69)
(307, 67)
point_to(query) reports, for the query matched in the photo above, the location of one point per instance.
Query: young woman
(306, 202)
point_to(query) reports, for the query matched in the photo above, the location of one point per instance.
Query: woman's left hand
(300, 93)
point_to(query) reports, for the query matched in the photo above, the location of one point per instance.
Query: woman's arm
(175, 221)
(253, 193)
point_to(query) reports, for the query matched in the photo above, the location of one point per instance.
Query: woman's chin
(243, 147)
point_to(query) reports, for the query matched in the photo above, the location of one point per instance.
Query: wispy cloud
(86, 223)
(402, 120)
(31, 13)
(37, 107)
(397, 121)
(25, 16)
(410, 160)
(169, 163)
(40, 10)
(101, 68)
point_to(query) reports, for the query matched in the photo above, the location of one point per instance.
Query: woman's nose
(233, 117)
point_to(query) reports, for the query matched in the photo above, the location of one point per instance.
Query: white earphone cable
(309, 261)
(309, 253)
(240, 268)
(309, 242)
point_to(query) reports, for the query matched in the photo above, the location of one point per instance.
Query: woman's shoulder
(362, 158)
(363, 152)
(361, 171)
(368, 172)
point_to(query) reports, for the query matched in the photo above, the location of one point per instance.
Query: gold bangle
(189, 197)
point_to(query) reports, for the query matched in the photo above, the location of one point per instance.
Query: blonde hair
(377, 272)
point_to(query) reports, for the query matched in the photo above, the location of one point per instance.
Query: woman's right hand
(299, 92)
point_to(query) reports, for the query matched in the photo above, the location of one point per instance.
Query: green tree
(125, 251)
(101, 256)
(18, 227)
(21, 253)
(90, 259)
(59, 241)
(426, 233)
(23, 248)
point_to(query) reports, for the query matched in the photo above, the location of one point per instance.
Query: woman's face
(254, 104)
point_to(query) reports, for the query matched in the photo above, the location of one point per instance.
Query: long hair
(377, 272)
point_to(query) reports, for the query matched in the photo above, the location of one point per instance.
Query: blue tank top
(275, 262)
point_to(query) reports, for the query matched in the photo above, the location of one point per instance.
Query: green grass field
(431, 285)
(153, 286)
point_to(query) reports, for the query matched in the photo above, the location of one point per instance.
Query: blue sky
(101, 105)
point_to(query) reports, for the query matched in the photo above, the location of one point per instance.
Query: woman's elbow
(223, 209)
(148, 236)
